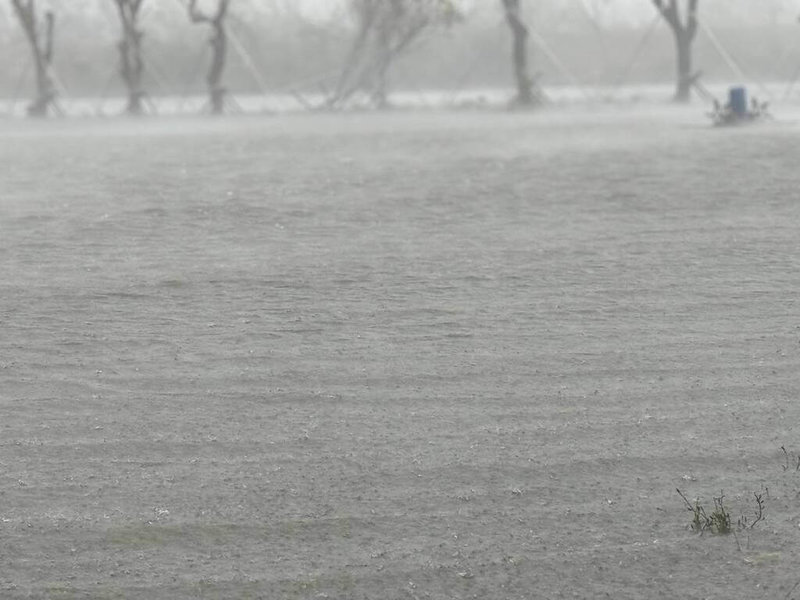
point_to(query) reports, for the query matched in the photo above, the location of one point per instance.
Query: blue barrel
(737, 98)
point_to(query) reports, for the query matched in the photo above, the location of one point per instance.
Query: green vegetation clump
(717, 519)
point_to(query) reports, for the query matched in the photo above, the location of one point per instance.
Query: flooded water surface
(426, 355)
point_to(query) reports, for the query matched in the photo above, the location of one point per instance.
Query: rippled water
(379, 239)
(308, 318)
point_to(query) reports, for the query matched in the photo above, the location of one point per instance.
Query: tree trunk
(685, 79)
(380, 73)
(130, 52)
(520, 53)
(219, 48)
(42, 50)
(132, 69)
(684, 36)
(520, 34)
(219, 44)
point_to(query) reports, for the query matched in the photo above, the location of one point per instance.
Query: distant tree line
(382, 32)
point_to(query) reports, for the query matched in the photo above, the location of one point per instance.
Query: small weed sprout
(699, 518)
(785, 464)
(744, 521)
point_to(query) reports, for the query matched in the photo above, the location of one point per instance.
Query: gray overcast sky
(617, 11)
(607, 12)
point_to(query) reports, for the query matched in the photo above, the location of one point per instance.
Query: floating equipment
(737, 100)
(738, 111)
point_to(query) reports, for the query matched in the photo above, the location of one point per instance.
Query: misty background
(300, 46)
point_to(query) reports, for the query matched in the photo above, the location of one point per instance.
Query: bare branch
(47, 53)
(669, 12)
(222, 11)
(196, 15)
(386, 29)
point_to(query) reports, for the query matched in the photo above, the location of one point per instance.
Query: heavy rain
(403, 299)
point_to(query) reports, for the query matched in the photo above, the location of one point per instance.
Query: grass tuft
(718, 519)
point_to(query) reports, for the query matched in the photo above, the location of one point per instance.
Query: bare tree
(385, 29)
(130, 53)
(41, 43)
(685, 32)
(219, 46)
(527, 95)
